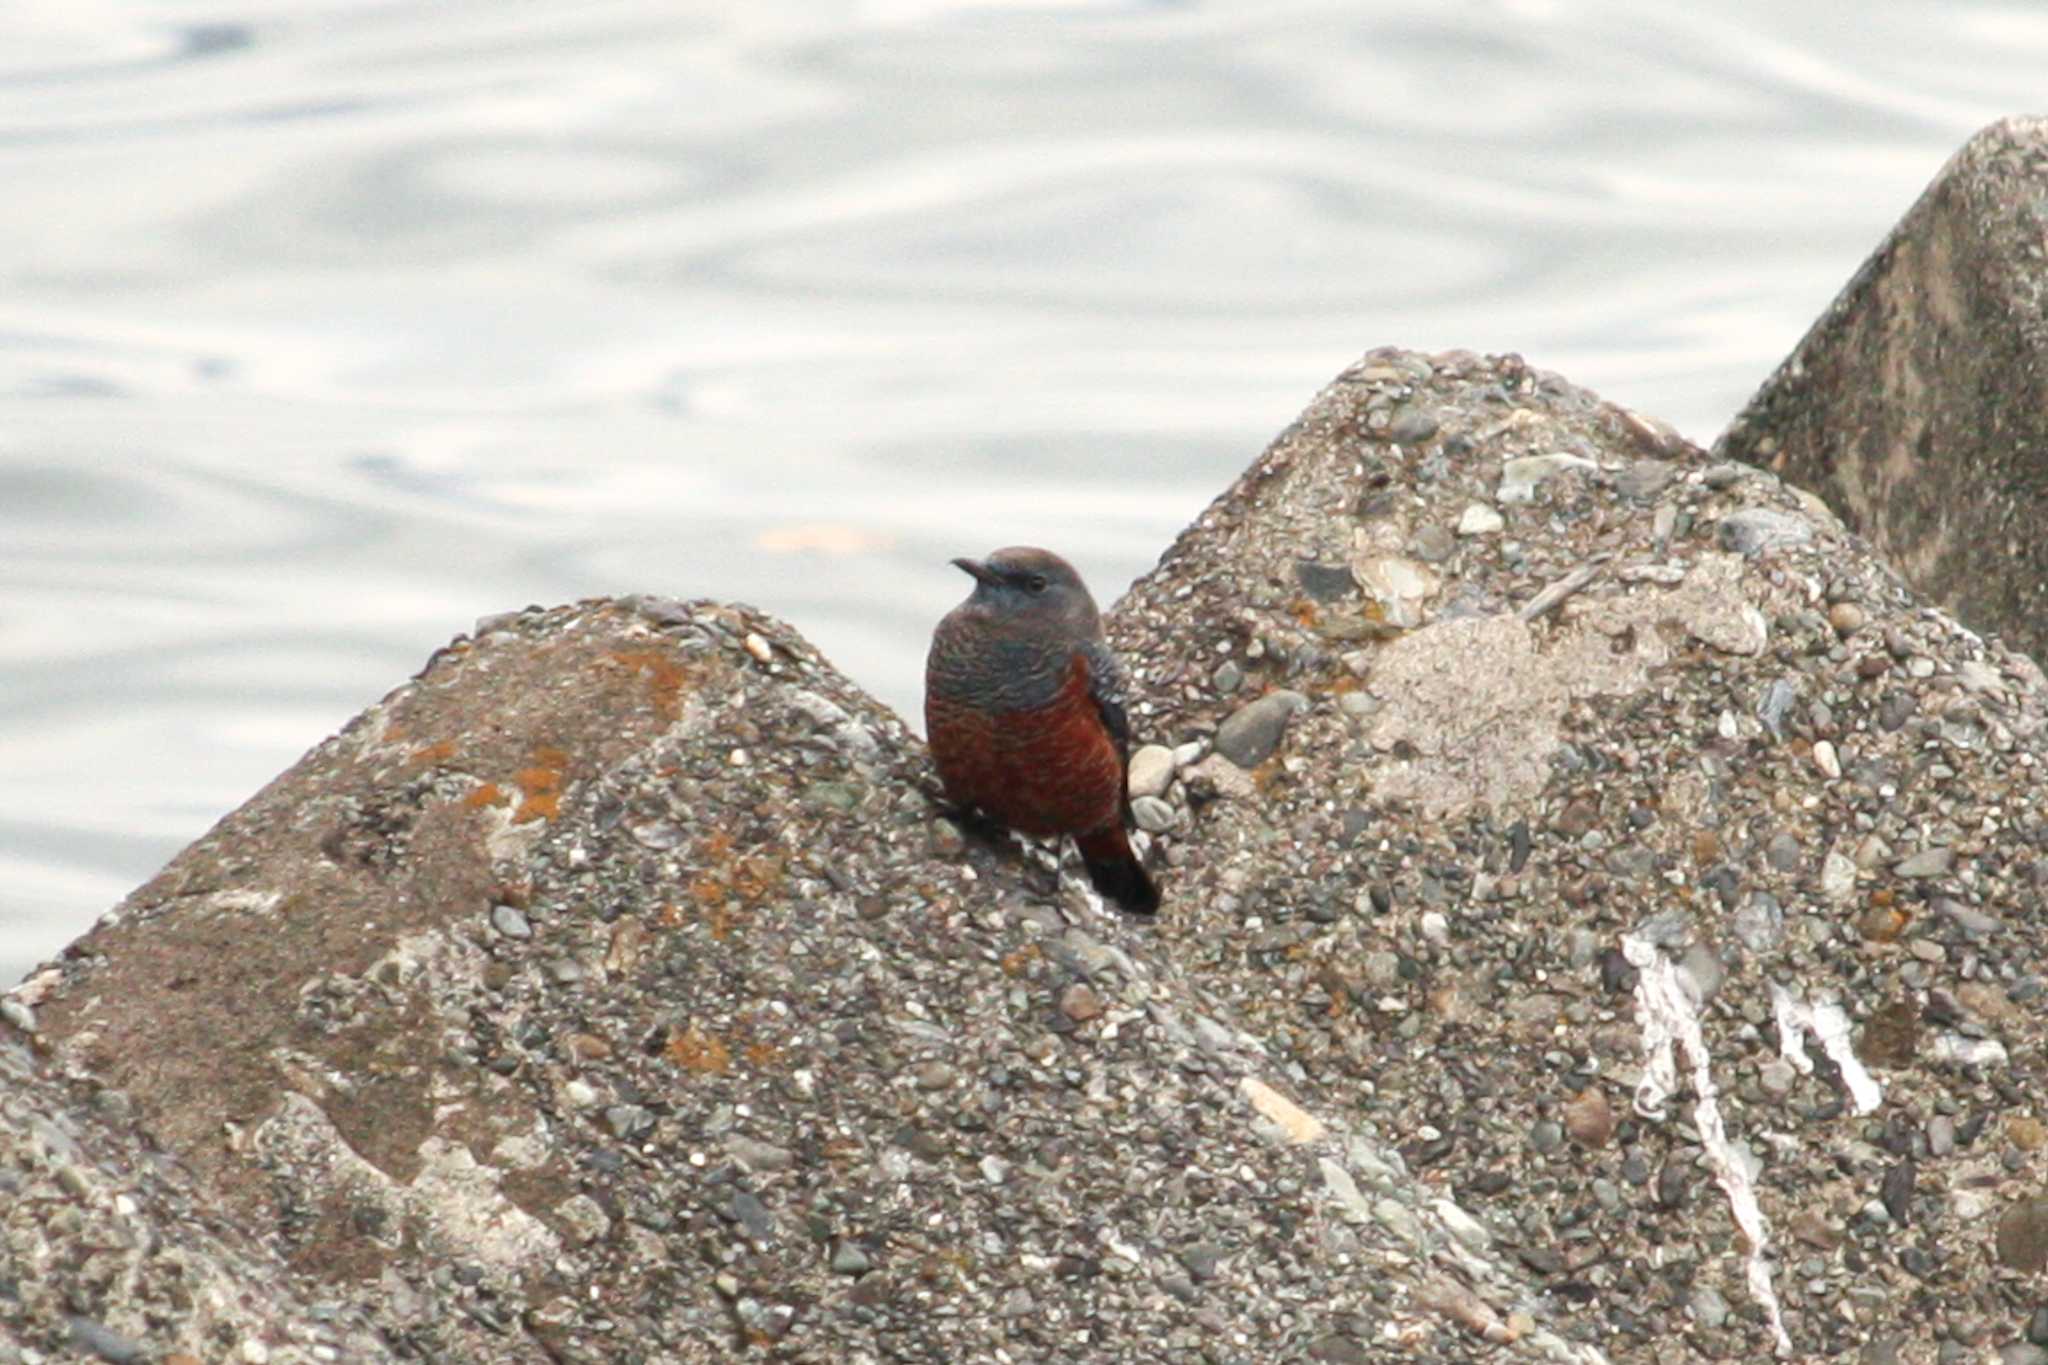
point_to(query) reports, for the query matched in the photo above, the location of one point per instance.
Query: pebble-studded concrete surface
(1600, 924)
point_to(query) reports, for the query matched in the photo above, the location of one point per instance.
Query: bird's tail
(1114, 868)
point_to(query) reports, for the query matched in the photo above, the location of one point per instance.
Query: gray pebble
(1928, 862)
(1700, 972)
(1412, 426)
(510, 921)
(753, 1215)
(1432, 544)
(1754, 530)
(1760, 923)
(759, 1156)
(1202, 1260)
(628, 1120)
(1722, 475)
(1519, 478)
(1782, 852)
(1775, 702)
(1253, 731)
(1645, 478)
(1941, 1135)
(2022, 1353)
(849, 1259)
(1708, 1308)
(103, 1341)
(1229, 676)
(1973, 923)
(1152, 814)
(1546, 1135)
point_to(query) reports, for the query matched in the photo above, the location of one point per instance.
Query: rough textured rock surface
(1625, 945)
(1917, 406)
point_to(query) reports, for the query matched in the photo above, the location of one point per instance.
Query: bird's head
(1024, 584)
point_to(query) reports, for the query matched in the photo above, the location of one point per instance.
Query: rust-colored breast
(1050, 770)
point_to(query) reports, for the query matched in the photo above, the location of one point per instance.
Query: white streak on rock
(1669, 1021)
(1825, 1020)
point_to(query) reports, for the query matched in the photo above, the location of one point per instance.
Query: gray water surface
(329, 327)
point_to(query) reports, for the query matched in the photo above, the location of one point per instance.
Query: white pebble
(1479, 520)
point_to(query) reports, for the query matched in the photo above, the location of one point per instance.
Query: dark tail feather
(1116, 872)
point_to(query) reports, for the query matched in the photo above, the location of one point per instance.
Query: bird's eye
(1034, 583)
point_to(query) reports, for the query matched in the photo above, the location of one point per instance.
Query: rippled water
(328, 327)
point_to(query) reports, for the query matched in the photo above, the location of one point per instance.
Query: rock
(1202, 1261)
(1645, 478)
(1080, 1003)
(1324, 582)
(1588, 1118)
(1412, 426)
(1929, 862)
(1431, 544)
(508, 920)
(771, 1023)
(1401, 588)
(1478, 519)
(1756, 530)
(1151, 770)
(1253, 731)
(1837, 875)
(1949, 303)
(2022, 1237)
(1152, 815)
(1521, 477)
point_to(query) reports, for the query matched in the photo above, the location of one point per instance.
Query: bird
(1024, 713)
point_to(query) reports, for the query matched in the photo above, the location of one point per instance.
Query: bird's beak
(978, 571)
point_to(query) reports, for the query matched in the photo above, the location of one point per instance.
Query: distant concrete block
(1917, 406)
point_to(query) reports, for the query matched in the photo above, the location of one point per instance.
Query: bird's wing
(1106, 688)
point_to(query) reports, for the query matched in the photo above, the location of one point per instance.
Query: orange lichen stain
(427, 755)
(665, 677)
(540, 783)
(762, 1055)
(489, 794)
(724, 884)
(670, 916)
(1303, 611)
(695, 1050)
(1018, 961)
(755, 879)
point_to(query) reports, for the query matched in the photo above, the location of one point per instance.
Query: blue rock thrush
(1024, 708)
